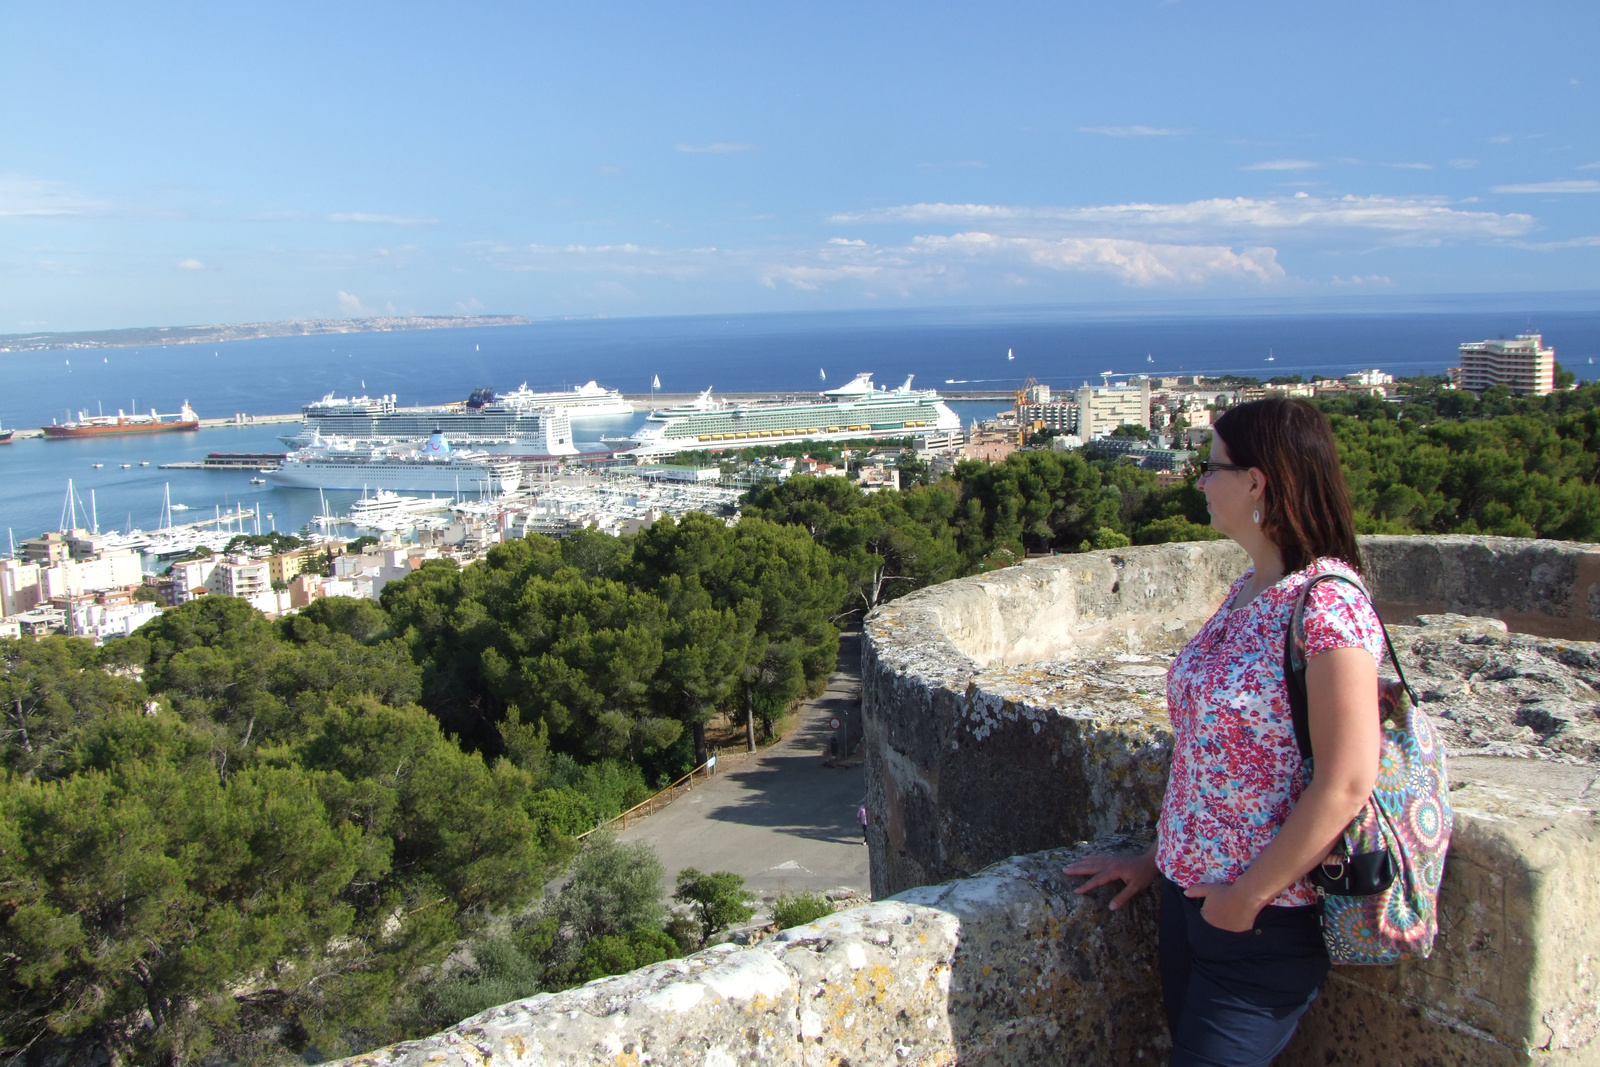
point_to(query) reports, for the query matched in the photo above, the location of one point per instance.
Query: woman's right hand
(1135, 872)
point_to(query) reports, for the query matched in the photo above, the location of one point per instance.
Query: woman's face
(1231, 496)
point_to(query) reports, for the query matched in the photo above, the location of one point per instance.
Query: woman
(1243, 821)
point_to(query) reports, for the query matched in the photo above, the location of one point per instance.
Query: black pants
(1234, 999)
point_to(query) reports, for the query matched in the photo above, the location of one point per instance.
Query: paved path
(778, 817)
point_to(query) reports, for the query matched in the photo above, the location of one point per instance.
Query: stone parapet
(1006, 969)
(1024, 710)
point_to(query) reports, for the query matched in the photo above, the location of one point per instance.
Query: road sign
(835, 724)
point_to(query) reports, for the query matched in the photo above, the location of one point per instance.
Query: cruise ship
(334, 463)
(521, 417)
(587, 401)
(849, 412)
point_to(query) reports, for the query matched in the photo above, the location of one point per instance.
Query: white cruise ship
(850, 412)
(333, 463)
(491, 420)
(587, 401)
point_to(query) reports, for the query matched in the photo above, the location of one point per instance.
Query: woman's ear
(1258, 483)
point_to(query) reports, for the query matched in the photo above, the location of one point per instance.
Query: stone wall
(1024, 710)
(1008, 969)
(1015, 721)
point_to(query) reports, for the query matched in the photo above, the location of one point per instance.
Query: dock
(228, 461)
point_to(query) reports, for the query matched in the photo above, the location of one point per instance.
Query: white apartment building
(1102, 409)
(1522, 365)
(25, 584)
(20, 587)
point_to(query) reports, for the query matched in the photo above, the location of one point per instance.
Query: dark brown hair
(1306, 507)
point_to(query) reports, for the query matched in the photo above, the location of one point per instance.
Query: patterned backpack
(1380, 884)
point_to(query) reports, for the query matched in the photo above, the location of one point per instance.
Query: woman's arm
(1342, 711)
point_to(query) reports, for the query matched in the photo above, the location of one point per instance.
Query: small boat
(258, 481)
(125, 466)
(97, 466)
(144, 463)
(178, 507)
(1009, 355)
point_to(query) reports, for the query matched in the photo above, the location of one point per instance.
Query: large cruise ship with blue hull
(853, 411)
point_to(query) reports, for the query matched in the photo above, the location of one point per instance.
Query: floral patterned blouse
(1236, 770)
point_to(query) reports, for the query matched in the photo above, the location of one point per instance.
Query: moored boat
(87, 425)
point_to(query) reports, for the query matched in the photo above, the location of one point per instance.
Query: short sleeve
(1339, 615)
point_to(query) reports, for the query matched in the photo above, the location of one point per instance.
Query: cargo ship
(99, 425)
(852, 411)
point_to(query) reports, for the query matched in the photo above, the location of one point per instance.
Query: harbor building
(1102, 409)
(1524, 365)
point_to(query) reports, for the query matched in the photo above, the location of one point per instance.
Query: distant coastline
(245, 331)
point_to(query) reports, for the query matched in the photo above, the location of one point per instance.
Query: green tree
(718, 900)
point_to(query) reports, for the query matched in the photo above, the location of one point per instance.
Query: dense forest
(234, 839)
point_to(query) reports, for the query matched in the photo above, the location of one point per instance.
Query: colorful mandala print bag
(1380, 885)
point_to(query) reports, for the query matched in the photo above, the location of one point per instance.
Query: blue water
(1059, 346)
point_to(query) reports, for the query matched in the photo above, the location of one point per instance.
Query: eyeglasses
(1211, 468)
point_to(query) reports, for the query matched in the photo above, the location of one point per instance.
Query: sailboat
(655, 383)
(823, 373)
(1009, 355)
(1270, 356)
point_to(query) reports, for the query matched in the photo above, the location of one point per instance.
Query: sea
(118, 483)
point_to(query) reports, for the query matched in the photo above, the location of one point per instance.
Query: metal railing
(655, 802)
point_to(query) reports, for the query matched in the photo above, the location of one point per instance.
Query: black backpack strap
(1295, 676)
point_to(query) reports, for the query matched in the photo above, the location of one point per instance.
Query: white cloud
(351, 304)
(974, 258)
(715, 148)
(1283, 164)
(1132, 131)
(1133, 263)
(1220, 218)
(1589, 166)
(1548, 246)
(1569, 186)
(382, 220)
(28, 198)
(1410, 166)
(190, 264)
(1463, 164)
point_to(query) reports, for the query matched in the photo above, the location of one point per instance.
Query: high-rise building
(1524, 365)
(1103, 409)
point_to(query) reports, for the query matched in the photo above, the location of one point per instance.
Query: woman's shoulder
(1338, 613)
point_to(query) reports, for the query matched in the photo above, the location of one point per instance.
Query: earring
(1255, 516)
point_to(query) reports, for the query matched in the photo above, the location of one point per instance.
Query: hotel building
(1524, 365)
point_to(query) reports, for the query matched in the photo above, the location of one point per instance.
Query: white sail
(655, 383)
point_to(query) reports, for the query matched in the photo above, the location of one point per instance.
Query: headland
(137, 336)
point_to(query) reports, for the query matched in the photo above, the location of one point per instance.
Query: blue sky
(165, 164)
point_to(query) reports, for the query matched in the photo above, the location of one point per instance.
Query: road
(780, 817)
